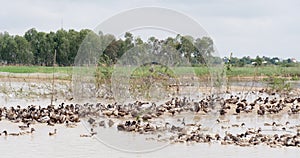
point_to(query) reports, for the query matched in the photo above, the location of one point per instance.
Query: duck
(146, 117)
(93, 132)
(24, 127)
(232, 100)
(31, 131)
(110, 123)
(53, 133)
(238, 110)
(28, 132)
(121, 127)
(287, 123)
(85, 135)
(49, 123)
(260, 111)
(269, 124)
(107, 112)
(88, 135)
(235, 125)
(11, 134)
(196, 107)
(223, 112)
(225, 127)
(248, 108)
(149, 128)
(243, 124)
(70, 125)
(222, 121)
(276, 124)
(102, 123)
(218, 137)
(91, 121)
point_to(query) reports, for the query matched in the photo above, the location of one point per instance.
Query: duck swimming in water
(93, 132)
(24, 127)
(28, 132)
(89, 135)
(53, 133)
(110, 123)
(85, 135)
(11, 134)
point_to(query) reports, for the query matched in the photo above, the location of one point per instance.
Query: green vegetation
(260, 61)
(105, 72)
(35, 52)
(35, 69)
(278, 84)
(264, 71)
(39, 48)
(146, 77)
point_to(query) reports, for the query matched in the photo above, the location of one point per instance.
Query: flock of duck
(148, 118)
(50, 115)
(194, 133)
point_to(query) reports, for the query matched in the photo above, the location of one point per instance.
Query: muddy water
(111, 143)
(27, 93)
(67, 143)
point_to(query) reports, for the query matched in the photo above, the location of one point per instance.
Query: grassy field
(35, 69)
(265, 71)
(293, 72)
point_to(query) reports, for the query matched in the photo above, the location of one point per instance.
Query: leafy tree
(38, 48)
(187, 47)
(258, 60)
(74, 43)
(62, 48)
(8, 49)
(23, 53)
(128, 43)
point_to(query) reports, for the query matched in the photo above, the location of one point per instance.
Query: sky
(244, 27)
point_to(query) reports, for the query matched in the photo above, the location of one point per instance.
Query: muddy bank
(6, 76)
(64, 76)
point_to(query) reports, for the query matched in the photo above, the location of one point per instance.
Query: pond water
(294, 84)
(111, 143)
(67, 143)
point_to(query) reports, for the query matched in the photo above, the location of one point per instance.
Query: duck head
(5, 133)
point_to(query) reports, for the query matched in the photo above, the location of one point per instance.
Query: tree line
(38, 48)
(260, 61)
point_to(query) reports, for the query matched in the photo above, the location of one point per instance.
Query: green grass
(264, 71)
(293, 72)
(35, 69)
